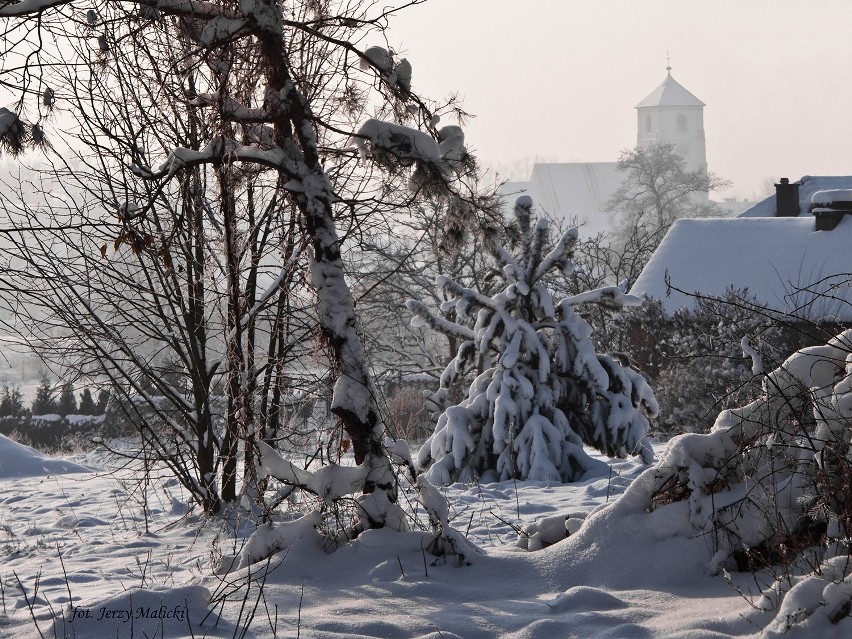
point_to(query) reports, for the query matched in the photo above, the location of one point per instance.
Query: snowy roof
(775, 258)
(571, 190)
(808, 185)
(830, 196)
(670, 93)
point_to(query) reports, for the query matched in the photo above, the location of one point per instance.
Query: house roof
(783, 262)
(808, 185)
(670, 93)
(571, 190)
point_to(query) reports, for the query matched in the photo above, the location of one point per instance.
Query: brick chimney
(787, 199)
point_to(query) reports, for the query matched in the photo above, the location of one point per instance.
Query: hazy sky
(560, 79)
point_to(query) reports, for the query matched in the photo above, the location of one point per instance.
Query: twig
(65, 576)
(469, 524)
(299, 612)
(514, 527)
(608, 484)
(188, 623)
(29, 604)
(517, 501)
(260, 595)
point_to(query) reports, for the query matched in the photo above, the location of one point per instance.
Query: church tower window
(681, 123)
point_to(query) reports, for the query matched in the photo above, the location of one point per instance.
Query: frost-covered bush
(773, 478)
(695, 358)
(645, 333)
(708, 369)
(407, 417)
(540, 391)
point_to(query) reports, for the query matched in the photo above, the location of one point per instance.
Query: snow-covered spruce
(541, 391)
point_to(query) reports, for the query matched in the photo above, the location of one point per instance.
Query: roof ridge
(670, 93)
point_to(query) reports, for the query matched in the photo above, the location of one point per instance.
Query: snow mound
(17, 460)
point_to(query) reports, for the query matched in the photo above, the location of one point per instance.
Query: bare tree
(236, 128)
(148, 302)
(657, 190)
(400, 265)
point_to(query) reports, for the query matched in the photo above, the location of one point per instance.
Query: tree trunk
(353, 400)
(234, 341)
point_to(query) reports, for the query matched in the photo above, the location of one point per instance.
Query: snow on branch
(511, 268)
(450, 285)
(8, 120)
(13, 132)
(756, 358)
(404, 143)
(608, 296)
(182, 158)
(28, 7)
(199, 9)
(329, 482)
(221, 29)
(265, 15)
(379, 57)
(540, 237)
(396, 74)
(231, 109)
(559, 255)
(456, 367)
(423, 316)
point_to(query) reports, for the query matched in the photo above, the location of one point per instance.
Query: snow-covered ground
(99, 555)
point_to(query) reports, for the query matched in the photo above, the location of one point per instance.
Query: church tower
(671, 114)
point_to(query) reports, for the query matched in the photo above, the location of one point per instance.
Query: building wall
(682, 126)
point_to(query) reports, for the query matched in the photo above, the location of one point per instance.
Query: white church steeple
(671, 114)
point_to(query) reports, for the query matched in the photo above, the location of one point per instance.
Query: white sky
(560, 78)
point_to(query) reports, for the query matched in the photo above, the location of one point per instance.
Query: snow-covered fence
(54, 432)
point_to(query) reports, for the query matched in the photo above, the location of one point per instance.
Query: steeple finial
(668, 62)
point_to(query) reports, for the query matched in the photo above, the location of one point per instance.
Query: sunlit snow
(622, 572)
